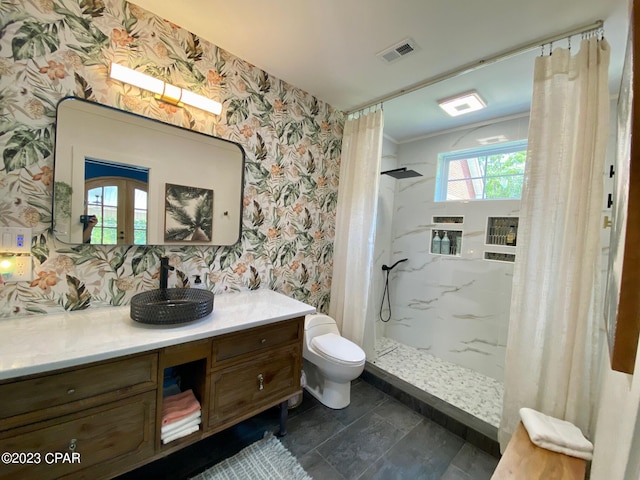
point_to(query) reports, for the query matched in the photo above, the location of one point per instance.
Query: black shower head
(401, 173)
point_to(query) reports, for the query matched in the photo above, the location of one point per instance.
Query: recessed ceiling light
(463, 103)
(494, 139)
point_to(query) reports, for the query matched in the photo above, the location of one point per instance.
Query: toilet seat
(338, 349)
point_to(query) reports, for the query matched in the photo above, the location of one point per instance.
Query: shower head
(401, 173)
(386, 268)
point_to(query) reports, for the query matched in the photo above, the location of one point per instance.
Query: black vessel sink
(170, 306)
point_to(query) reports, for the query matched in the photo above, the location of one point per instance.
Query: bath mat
(265, 459)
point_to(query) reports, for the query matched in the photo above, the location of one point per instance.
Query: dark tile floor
(375, 437)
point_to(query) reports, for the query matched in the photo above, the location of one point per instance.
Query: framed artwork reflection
(188, 214)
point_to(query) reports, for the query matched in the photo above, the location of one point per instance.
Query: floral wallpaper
(50, 49)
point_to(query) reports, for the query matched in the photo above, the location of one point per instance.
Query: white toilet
(330, 361)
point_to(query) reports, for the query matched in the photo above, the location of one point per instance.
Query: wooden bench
(522, 460)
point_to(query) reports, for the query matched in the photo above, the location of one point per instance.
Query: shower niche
(446, 238)
(502, 231)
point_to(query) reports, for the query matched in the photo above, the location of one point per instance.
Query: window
(485, 173)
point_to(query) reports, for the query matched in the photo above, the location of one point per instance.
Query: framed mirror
(120, 178)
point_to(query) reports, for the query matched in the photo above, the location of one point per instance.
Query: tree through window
(486, 173)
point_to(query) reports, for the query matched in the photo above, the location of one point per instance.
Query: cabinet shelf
(187, 363)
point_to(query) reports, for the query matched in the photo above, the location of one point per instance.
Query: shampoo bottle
(445, 245)
(435, 243)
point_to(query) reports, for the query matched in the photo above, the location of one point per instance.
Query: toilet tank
(319, 324)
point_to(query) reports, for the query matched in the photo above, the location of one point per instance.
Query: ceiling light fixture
(164, 91)
(463, 103)
(493, 139)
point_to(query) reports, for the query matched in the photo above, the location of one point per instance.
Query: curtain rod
(469, 67)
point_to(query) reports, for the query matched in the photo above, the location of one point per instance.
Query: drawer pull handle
(263, 341)
(260, 382)
(71, 391)
(72, 444)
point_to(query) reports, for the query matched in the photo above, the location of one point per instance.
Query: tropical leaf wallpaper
(50, 49)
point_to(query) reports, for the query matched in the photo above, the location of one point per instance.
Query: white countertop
(43, 343)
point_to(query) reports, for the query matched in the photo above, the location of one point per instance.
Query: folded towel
(186, 426)
(177, 407)
(183, 432)
(173, 426)
(555, 434)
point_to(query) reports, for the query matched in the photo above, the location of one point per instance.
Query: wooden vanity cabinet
(82, 422)
(254, 370)
(244, 389)
(110, 412)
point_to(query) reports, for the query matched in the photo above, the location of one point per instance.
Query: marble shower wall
(456, 308)
(50, 49)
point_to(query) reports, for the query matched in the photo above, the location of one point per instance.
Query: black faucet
(164, 271)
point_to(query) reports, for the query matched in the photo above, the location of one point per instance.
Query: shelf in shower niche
(438, 239)
(502, 231)
(448, 219)
(500, 257)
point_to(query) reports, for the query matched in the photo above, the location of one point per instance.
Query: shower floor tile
(470, 391)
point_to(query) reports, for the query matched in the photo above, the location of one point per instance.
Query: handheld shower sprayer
(385, 295)
(386, 268)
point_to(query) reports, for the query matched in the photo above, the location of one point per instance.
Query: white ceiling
(328, 48)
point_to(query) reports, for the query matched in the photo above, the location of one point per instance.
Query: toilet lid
(334, 347)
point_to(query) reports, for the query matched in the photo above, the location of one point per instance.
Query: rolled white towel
(183, 432)
(170, 427)
(555, 434)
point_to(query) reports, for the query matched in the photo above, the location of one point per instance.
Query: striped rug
(265, 459)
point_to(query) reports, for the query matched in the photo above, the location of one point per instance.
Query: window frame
(445, 159)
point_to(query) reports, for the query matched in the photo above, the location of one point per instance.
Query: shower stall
(439, 321)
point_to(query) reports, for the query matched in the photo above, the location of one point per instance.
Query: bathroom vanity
(81, 392)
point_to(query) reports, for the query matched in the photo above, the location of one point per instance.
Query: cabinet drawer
(90, 386)
(253, 385)
(98, 442)
(256, 340)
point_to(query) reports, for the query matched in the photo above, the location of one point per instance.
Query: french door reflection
(120, 206)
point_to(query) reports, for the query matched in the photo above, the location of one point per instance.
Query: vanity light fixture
(463, 103)
(164, 91)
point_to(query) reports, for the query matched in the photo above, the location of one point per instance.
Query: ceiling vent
(399, 50)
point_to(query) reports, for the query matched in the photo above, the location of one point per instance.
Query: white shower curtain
(355, 224)
(556, 314)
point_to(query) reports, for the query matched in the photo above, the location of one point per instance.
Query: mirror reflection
(116, 203)
(125, 179)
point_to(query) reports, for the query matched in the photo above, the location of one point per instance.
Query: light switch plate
(15, 239)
